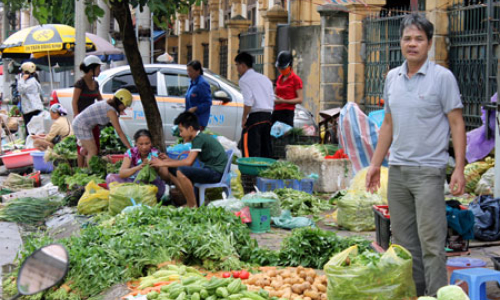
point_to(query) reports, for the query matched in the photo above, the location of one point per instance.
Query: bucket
(459, 263)
(261, 220)
(39, 164)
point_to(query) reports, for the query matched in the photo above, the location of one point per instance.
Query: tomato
(236, 274)
(244, 274)
(226, 275)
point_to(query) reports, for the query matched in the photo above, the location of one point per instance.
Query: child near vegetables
(209, 151)
(135, 159)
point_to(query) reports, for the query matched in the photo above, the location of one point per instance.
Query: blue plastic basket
(290, 184)
(39, 164)
(307, 185)
(268, 185)
(377, 117)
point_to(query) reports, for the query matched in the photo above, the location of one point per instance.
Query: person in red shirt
(288, 90)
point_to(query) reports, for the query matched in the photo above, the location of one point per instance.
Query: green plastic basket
(253, 165)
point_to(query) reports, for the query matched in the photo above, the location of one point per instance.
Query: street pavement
(65, 223)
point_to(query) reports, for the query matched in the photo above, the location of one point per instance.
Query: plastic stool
(476, 279)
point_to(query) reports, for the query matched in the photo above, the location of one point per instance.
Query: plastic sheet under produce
(353, 276)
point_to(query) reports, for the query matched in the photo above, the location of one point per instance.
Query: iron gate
(472, 55)
(253, 43)
(223, 57)
(383, 53)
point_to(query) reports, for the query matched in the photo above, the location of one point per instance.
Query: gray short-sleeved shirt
(419, 108)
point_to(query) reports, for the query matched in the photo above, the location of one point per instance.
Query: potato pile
(290, 283)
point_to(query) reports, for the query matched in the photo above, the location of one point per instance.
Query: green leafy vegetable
(301, 203)
(111, 142)
(146, 175)
(29, 210)
(282, 170)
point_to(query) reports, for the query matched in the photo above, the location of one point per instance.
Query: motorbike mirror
(222, 96)
(43, 269)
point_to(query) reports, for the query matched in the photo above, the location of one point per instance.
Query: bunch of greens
(307, 247)
(124, 247)
(326, 149)
(97, 166)
(66, 177)
(59, 175)
(18, 182)
(146, 175)
(29, 210)
(65, 149)
(313, 247)
(301, 203)
(113, 168)
(282, 170)
(110, 141)
(296, 131)
(81, 179)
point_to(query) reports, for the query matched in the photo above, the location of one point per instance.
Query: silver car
(170, 83)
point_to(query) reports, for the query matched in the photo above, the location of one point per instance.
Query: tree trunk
(121, 12)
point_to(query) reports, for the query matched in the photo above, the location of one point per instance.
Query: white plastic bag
(229, 145)
(29, 142)
(36, 125)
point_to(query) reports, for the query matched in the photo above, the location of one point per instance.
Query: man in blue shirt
(198, 95)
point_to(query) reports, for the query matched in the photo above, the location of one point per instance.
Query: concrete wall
(305, 43)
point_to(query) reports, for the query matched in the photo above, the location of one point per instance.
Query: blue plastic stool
(476, 279)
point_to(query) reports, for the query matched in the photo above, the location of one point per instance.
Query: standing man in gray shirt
(422, 106)
(258, 99)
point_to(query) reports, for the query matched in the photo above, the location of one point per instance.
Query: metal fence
(383, 52)
(223, 57)
(474, 42)
(253, 43)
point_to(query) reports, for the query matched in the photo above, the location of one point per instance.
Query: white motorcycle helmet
(28, 67)
(92, 60)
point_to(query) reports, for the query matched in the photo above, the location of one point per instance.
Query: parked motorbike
(42, 270)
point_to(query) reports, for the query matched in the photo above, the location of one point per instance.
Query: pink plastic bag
(244, 215)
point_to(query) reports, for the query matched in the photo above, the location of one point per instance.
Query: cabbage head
(452, 292)
(426, 298)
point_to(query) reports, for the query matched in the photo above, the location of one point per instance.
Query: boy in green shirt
(209, 151)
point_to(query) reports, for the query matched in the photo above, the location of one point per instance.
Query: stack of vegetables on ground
(194, 286)
(289, 283)
(301, 203)
(121, 248)
(29, 210)
(66, 177)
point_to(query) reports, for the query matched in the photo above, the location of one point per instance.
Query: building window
(189, 53)
(206, 56)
